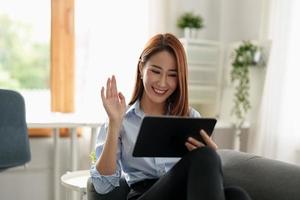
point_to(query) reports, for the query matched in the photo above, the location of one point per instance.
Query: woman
(160, 89)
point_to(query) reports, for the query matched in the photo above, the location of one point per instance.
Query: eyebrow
(159, 67)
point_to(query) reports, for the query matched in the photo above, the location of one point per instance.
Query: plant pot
(190, 33)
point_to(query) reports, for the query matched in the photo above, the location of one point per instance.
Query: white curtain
(277, 134)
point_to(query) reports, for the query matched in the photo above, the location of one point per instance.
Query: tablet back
(165, 136)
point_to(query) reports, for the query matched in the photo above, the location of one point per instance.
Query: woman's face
(159, 76)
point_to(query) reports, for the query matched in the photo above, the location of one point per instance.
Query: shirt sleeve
(105, 183)
(194, 113)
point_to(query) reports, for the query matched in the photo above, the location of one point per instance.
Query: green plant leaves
(244, 57)
(93, 157)
(190, 20)
(245, 54)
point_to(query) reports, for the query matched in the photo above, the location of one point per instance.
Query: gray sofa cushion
(263, 179)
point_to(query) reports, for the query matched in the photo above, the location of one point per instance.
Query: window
(109, 40)
(25, 49)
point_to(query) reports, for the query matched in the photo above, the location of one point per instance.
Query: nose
(163, 80)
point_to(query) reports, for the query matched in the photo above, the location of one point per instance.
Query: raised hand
(192, 143)
(113, 101)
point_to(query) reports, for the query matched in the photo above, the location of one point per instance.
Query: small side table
(76, 181)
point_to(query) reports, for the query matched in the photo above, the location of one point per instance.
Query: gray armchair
(14, 142)
(263, 179)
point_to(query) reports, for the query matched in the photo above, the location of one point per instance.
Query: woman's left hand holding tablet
(193, 143)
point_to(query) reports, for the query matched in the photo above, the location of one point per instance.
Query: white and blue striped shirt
(134, 169)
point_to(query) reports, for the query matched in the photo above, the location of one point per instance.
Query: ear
(141, 69)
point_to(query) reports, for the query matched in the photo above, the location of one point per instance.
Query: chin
(159, 100)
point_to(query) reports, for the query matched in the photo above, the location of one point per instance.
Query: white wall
(241, 19)
(164, 14)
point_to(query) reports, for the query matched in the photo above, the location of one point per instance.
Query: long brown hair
(178, 101)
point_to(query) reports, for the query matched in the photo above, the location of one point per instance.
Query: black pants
(198, 175)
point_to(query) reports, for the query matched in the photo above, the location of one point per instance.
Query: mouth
(159, 91)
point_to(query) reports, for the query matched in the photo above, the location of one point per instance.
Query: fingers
(111, 87)
(209, 142)
(108, 91)
(122, 98)
(102, 94)
(114, 90)
(190, 147)
(195, 142)
(192, 143)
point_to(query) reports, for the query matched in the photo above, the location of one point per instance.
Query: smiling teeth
(159, 91)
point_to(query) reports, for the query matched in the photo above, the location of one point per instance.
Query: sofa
(262, 178)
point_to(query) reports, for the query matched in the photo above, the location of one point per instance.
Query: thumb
(103, 96)
(122, 98)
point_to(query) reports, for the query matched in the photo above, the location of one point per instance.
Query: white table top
(76, 180)
(60, 120)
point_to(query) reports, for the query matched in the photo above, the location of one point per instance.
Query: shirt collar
(136, 108)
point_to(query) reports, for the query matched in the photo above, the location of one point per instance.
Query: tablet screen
(165, 136)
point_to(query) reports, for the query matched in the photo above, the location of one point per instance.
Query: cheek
(146, 75)
(149, 77)
(146, 81)
(173, 83)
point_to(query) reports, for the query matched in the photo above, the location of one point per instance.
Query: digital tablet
(165, 136)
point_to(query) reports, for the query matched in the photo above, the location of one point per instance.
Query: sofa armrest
(119, 193)
(262, 178)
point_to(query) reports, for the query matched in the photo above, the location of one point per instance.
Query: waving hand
(113, 101)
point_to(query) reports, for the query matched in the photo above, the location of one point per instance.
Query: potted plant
(190, 23)
(92, 157)
(244, 56)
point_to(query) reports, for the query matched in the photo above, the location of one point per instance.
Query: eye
(155, 71)
(173, 75)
